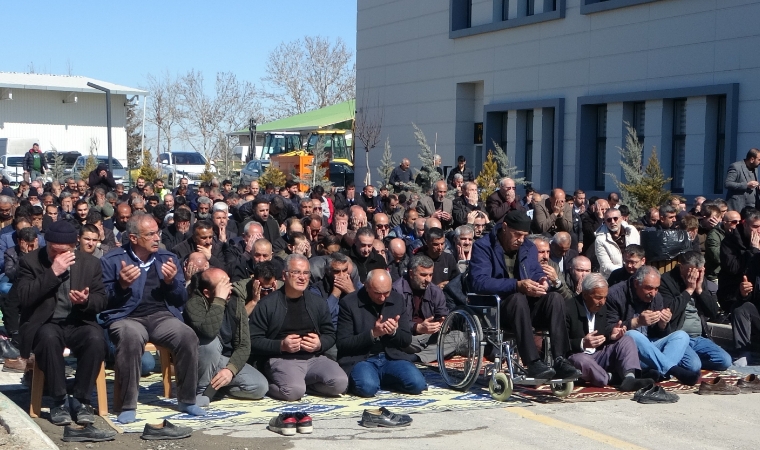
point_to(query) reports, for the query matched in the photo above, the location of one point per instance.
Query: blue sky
(121, 42)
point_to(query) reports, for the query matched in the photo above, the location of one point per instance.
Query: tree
(163, 109)
(368, 123)
(272, 175)
(318, 169)
(91, 163)
(57, 168)
(147, 169)
(504, 167)
(649, 191)
(386, 164)
(134, 137)
(227, 164)
(427, 175)
(488, 178)
(631, 157)
(307, 74)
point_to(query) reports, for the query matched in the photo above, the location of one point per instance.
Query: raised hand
(169, 271)
(428, 326)
(62, 262)
(592, 340)
(618, 331)
(128, 274)
(79, 297)
(745, 287)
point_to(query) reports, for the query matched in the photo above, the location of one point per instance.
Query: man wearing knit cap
(61, 290)
(504, 263)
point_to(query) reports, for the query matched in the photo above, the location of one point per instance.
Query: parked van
(16, 146)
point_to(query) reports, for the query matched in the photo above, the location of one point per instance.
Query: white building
(553, 81)
(63, 113)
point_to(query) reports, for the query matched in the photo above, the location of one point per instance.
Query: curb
(21, 426)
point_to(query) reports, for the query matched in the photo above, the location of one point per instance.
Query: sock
(631, 384)
(630, 374)
(684, 376)
(59, 401)
(202, 401)
(127, 416)
(191, 409)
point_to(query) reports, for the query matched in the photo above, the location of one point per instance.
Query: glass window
(720, 145)
(531, 8)
(601, 146)
(504, 9)
(679, 145)
(529, 145)
(15, 161)
(639, 116)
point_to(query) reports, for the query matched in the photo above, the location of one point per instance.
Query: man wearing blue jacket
(504, 263)
(146, 293)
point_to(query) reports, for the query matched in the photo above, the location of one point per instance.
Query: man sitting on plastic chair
(504, 263)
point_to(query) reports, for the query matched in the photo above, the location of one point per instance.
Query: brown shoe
(717, 386)
(17, 365)
(749, 384)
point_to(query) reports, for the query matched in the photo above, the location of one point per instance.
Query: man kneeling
(600, 351)
(221, 323)
(374, 328)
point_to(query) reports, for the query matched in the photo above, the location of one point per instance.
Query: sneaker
(84, 414)
(285, 424)
(59, 415)
(540, 371)
(657, 395)
(87, 433)
(303, 423)
(565, 369)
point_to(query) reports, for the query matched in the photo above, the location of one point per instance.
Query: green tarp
(336, 116)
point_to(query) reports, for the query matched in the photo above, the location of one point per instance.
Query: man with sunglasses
(611, 239)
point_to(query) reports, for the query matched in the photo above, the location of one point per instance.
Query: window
(720, 147)
(529, 145)
(504, 10)
(679, 145)
(639, 116)
(530, 7)
(601, 146)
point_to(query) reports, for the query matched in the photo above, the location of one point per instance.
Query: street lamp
(252, 136)
(108, 119)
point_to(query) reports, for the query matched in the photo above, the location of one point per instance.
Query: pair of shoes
(59, 415)
(717, 386)
(87, 433)
(7, 350)
(539, 371)
(749, 384)
(374, 418)
(165, 431)
(15, 365)
(654, 394)
(564, 369)
(288, 424)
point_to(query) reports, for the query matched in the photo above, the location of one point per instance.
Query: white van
(16, 146)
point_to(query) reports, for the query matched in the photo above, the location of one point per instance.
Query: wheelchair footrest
(540, 382)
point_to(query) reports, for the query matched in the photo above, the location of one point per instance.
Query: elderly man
(713, 242)
(550, 268)
(611, 240)
(399, 260)
(401, 176)
(405, 230)
(146, 294)
(220, 218)
(437, 205)
(195, 263)
(221, 322)
(364, 255)
(553, 215)
(506, 264)
(464, 237)
(466, 204)
(503, 200)
(61, 291)
(373, 331)
(742, 182)
(561, 253)
(633, 258)
(602, 352)
(638, 306)
(692, 302)
(580, 267)
(291, 328)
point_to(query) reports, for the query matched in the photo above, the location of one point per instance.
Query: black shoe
(565, 369)
(59, 415)
(304, 423)
(631, 384)
(638, 394)
(87, 433)
(84, 414)
(374, 418)
(7, 350)
(165, 431)
(540, 371)
(285, 424)
(657, 395)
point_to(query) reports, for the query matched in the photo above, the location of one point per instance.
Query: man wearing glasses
(290, 330)
(611, 239)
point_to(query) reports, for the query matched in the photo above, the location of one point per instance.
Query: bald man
(561, 250)
(221, 322)
(196, 262)
(553, 214)
(397, 266)
(400, 176)
(374, 326)
(438, 206)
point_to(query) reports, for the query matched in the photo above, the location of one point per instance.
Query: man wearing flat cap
(61, 290)
(504, 263)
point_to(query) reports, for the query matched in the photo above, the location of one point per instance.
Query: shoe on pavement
(87, 433)
(717, 386)
(657, 395)
(84, 414)
(749, 384)
(564, 369)
(285, 424)
(374, 418)
(59, 415)
(303, 423)
(540, 371)
(15, 365)
(165, 431)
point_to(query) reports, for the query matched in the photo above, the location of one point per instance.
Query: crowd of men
(265, 290)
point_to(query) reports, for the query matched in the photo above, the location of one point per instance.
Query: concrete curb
(21, 426)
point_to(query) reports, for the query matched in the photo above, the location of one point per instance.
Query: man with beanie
(61, 290)
(504, 263)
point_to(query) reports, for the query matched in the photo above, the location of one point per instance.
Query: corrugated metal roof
(308, 121)
(64, 83)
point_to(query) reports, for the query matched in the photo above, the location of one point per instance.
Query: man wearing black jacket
(373, 329)
(364, 255)
(293, 328)
(736, 250)
(462, 169)
(203, 241)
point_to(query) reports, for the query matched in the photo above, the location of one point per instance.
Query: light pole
(252, 136)
(108, 119)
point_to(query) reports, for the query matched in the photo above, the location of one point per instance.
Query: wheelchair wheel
(500, 387)
(467, 359)
(562, 390)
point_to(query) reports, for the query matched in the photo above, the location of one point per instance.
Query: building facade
(554, 82)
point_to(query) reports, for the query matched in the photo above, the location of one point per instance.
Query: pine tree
(91, 163)
(631, 157)
(505, 169)
(649, 191)
(427, 175)
(488, 178)
(272, 175)
(318, 169)
(134, 137)
(386, 165)
(58, 166)
(147, 169)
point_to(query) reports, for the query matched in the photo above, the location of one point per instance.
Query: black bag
(664, 245)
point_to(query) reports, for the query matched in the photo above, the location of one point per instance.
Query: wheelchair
(479, 325)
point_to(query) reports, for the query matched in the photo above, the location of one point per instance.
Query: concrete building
(553, 81)
(63, 113)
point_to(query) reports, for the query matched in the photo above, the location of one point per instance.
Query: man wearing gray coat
(742, 182)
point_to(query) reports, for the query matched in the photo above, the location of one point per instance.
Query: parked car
(12, 168)
(119, 173)
(183, 164)
(69, 159)
(253, 170)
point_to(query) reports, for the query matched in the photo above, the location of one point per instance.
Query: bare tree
(368, 123)
(309, 73)
(163, 107)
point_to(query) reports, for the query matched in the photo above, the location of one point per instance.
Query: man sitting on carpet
(602, 352)
(373, 331)
(292, 328)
